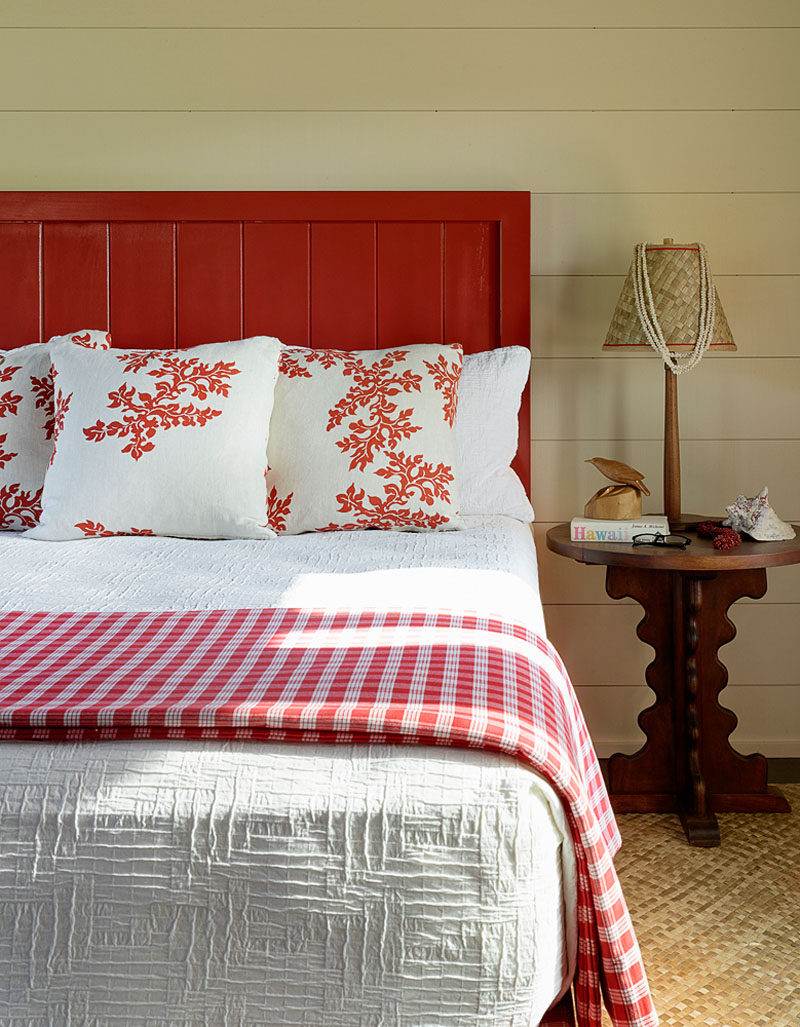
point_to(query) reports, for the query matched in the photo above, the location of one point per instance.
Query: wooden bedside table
(687, 765)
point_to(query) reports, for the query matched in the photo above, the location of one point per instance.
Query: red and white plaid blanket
(299, 674)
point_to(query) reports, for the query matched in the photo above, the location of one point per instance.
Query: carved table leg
(699, 823)
(735, 783)
(645, 781)
(687, 764)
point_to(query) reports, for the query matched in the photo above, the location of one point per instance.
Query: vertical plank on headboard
(343, 285)
(142, 276)
(19, 284)
(276, 281)
(74, 277)
(472, 284)
(209, 282)
(410, 283)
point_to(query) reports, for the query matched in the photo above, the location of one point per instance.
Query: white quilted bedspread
(184, 883)
(177, 883)
(491, 566)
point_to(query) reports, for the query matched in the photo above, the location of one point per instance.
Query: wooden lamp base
(672, 454)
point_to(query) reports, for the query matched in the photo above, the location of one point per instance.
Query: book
(590, 529)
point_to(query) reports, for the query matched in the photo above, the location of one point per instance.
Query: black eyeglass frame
(657, 538)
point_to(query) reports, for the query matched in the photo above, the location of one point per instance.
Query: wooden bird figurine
(623, 499)
(620, 473)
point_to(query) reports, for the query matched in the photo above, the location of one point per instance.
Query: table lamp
(669, 302)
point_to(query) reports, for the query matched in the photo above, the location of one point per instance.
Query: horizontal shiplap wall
(626, 121)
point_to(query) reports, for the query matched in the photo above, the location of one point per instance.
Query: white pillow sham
(487, 432)
(27, 420)
(365, 439)
(161, 442)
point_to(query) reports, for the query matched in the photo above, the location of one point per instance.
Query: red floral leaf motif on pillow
(193, 376)
(94, 529)
(96, 433)
(60, 408)
(416, 480)
(380, 425)
(445, 379)
(18, 508)
(367, 438)
(372, 384)
(330, 357)
(295, 365)
(353, 364)
(291, 366)
(5, 456)
(356, 500)
(377, 512)
(278, 509)
(148, 412)
(7, 372)
(137, 359)
(9, 401)
(85, 340)
(182, 374)
(43, 390)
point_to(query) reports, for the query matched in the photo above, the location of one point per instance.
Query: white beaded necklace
(645, 307)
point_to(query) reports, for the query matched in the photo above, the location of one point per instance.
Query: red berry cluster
(724, 538)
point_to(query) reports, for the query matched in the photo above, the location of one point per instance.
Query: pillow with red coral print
(161, 442)
(27, 422)
(364, 439)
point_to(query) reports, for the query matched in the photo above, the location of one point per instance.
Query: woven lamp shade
(674, 272)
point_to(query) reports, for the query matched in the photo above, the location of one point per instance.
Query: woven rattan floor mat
(719, 928)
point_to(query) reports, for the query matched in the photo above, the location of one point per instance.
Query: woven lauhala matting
(719, 928)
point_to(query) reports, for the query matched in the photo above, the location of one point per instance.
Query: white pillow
(162, 442)
(487, 432)
(26, 425)
(364, 440)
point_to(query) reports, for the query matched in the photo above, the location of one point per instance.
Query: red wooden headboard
(350, 270)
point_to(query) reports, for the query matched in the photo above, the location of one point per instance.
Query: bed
(278, 871)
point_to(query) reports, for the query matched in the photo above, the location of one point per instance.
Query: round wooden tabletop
(700, 555)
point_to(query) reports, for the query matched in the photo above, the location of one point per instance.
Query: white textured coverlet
(237, 884)
(490, 568)
(242, 883)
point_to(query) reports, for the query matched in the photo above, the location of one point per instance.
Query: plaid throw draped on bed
(334, 676)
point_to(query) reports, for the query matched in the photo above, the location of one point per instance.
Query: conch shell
(756, 518)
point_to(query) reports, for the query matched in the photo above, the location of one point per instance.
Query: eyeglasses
(657, 539)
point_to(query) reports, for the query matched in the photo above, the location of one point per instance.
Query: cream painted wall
(626, 120)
